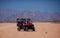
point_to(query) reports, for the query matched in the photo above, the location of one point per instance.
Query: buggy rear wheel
(25, 28)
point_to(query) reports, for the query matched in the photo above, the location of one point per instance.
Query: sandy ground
(43, 30)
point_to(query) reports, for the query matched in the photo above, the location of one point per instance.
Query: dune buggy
(25, 24)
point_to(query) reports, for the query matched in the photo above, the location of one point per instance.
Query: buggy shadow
(25, 24)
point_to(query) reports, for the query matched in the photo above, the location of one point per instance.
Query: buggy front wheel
(18, 29)
(33, 29)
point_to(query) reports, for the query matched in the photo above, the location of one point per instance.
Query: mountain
(9, 15)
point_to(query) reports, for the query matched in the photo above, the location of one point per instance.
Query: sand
(43, 30)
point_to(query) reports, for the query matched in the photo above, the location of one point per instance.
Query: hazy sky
(37, 5)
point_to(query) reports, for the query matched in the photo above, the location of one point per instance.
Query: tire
(18, 29)
(33, 29)
(25, 28)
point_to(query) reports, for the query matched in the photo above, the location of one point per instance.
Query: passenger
(18, 20)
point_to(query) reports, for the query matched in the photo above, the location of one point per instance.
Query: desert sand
(43, 30)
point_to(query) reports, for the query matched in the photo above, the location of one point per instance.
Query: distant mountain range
(8, 15)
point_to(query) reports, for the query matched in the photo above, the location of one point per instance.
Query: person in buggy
(25, 24)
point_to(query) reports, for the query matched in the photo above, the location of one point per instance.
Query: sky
(32, 5)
